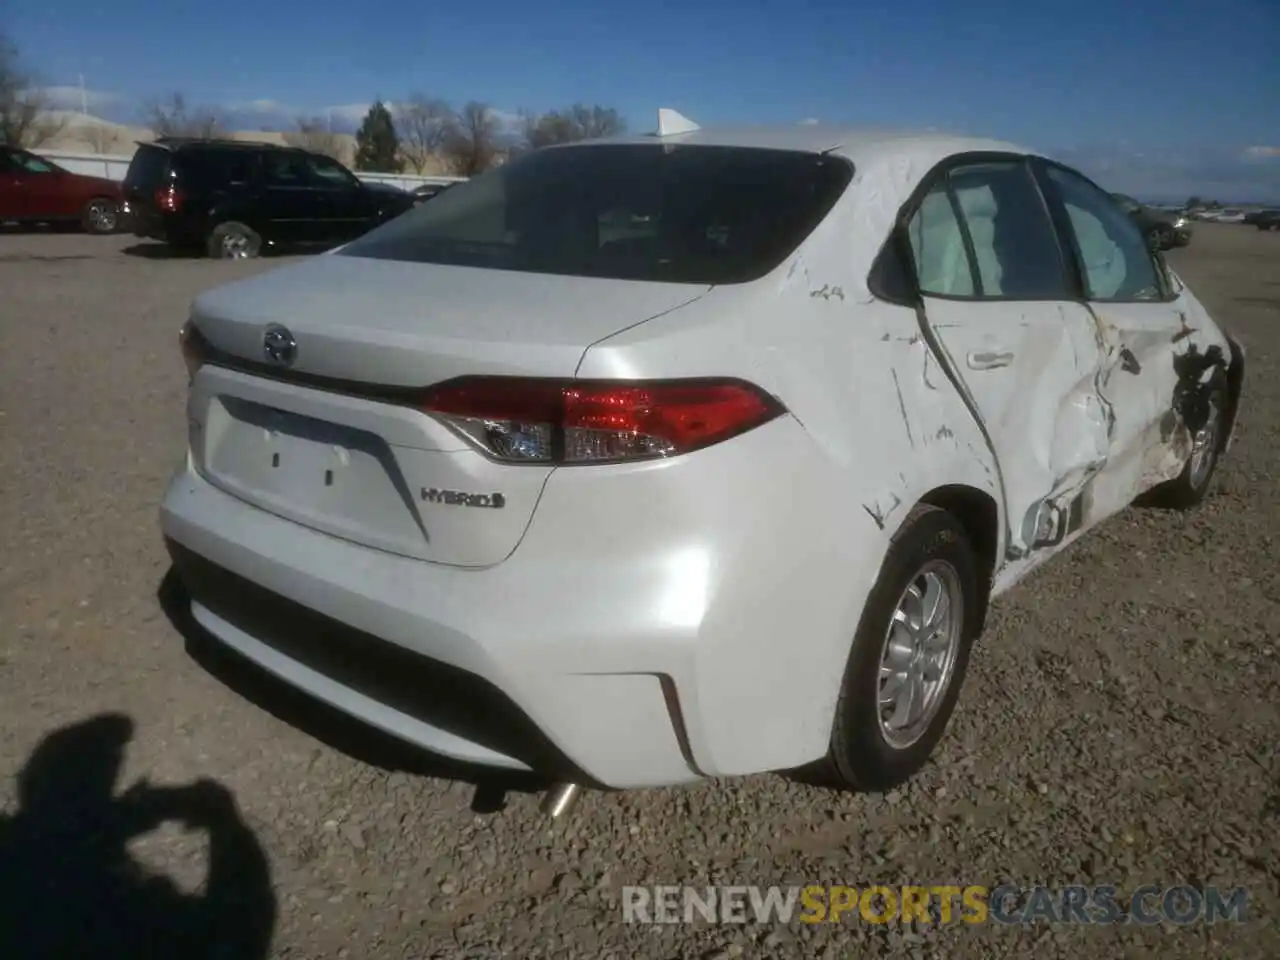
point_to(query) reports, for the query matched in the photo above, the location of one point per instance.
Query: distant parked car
(429, 190)
(1232, 215)
(1267, 220)
(36, 190)
(233, 199)
(1163, 229)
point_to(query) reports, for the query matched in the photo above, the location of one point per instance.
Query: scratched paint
(1074, 421)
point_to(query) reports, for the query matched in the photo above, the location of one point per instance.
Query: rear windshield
(686, 214)
(148, 168)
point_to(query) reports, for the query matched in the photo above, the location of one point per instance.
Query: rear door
(349, 209)
(295, 209)
(999, 299)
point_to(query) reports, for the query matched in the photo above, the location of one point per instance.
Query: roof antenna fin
(670, 123)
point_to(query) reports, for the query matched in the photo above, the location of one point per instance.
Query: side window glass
(237, 167)
(31, 163)
(937, 243)
(1114, 257)
(286, 170)
(1014, 244)
(330, 173)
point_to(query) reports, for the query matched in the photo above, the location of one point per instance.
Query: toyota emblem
(279, 346)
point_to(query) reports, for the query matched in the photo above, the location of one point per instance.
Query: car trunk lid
(411, 324)
(334, 441)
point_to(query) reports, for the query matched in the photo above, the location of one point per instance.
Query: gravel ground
(1118, 726)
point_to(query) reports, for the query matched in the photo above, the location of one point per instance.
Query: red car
(35, 190)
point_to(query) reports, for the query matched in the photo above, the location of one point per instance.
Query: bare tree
(313, 134)
(471, 144)
(172, 117)
(25, 120)
(425, 125)
(579, 122)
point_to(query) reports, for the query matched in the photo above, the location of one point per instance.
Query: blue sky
(1157, 97)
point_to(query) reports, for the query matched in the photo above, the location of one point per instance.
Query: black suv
(233, 199)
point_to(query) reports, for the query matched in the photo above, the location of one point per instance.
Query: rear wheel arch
(979, 515)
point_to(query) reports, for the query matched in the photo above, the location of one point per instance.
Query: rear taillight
(576, 422)
(169, 198)
(195, 348)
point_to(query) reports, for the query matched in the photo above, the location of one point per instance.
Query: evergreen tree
(377, 145)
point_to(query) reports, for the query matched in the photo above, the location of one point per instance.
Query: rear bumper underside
(281, 596)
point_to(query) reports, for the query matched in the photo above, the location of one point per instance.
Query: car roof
(861, 145)
(206, 143)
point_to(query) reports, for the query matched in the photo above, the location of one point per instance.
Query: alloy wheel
(918, 657)
(102, 216)
(1204, 443)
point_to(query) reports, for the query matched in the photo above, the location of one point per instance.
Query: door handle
(989, 360)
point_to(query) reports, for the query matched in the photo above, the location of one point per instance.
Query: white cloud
(265, 105)
(354, 113)
(509, 121)
(809, 122)
(351, 112)
(73, 98)
(1261, 153)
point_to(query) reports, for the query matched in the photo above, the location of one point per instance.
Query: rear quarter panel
(884, 427)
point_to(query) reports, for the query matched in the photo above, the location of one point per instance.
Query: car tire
(1190, 488)
(233, 241)
(101, 216)
(928, 556)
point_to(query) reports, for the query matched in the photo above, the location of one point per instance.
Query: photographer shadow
(69, 887)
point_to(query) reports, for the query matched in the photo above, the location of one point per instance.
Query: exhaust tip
(560, 799)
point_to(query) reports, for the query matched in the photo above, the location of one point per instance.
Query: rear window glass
(688, 214)
(216, 167)
(150, 165)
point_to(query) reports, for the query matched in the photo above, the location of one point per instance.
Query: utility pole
(96, 128)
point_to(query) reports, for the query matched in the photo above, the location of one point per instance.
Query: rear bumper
(153, 226)
(647, 641)
(397, 643)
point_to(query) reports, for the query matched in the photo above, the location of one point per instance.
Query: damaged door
(1146, 340)
(1003, 310)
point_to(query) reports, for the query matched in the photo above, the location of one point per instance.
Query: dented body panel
(710, 599)
(904, 401)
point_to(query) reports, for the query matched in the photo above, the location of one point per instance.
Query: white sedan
(684, 455)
